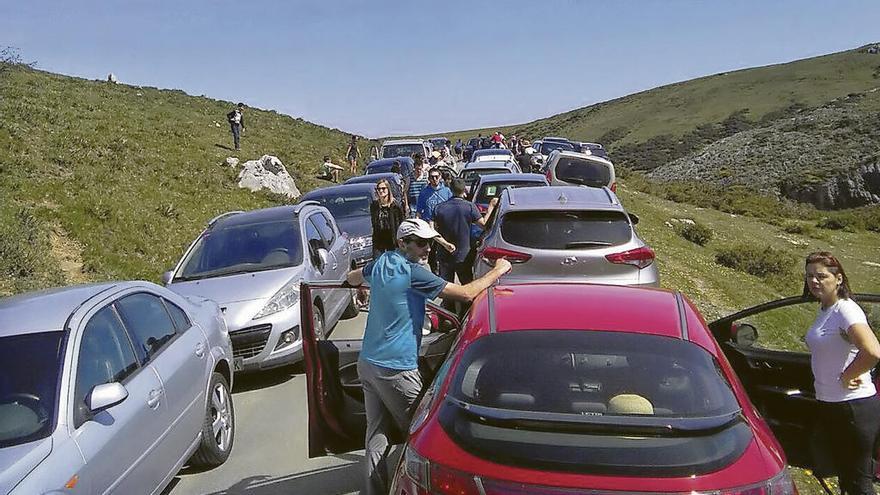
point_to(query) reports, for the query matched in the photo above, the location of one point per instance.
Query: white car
(394, 148)
(566, 168)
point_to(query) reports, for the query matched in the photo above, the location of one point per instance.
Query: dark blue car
(350, 206)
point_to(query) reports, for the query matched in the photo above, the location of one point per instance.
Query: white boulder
(232, 161)
(267, 173)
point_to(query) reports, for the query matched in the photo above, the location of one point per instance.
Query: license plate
(238, 364)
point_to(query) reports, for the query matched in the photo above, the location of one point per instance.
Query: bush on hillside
(798, 228)
(695, 232)
(761, 262)
(834, 223)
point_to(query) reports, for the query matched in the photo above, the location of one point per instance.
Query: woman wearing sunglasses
(386, 215)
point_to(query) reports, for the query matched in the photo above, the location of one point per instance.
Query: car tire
(318, 322)
(352, 309)
(218, 429)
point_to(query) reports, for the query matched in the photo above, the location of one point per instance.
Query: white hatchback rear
(569, 168)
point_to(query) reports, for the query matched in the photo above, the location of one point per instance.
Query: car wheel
(352, 309)
(318, 322)
(218, 429)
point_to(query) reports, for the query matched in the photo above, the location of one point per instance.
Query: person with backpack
(236, 122)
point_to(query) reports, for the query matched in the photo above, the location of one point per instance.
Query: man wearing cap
(388, 365)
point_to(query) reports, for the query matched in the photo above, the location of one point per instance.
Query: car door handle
(154, 398)
(200, 349)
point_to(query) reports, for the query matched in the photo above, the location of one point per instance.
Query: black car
(472, 145)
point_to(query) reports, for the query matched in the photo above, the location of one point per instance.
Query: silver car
(111, 388)
(473, 170)
(566, 233)
(252, 263)
(565, 168)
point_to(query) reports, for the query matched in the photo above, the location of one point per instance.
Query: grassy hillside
(677, 109)
(103, 181)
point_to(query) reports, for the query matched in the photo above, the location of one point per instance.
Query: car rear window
(470, 176)
(566, 229)
(395, 150)
(489, 191)
(583, 172)
(592, 401)
(548, 146)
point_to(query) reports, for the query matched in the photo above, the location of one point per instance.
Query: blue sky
(398, 67)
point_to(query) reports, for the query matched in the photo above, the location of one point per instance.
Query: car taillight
(490, 254)
(781, 484)
(549, 175)
(614, 187)
(640, 257)
(434, 479)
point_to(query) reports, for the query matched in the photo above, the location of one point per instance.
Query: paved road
(270, 454)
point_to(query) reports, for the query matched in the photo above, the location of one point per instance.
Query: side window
(105, 356)
(325, 226)
(781, 329)
(181, 321)
(151, 326)
(313, 237)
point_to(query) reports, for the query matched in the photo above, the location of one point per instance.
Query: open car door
(765, 346)
(337, 421)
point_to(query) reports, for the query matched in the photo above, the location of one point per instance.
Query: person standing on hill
(236, 121)
(353, 153)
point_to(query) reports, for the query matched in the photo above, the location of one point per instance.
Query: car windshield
(489, 191)
(29, 369)
(471, 176)
(631, 403)
(548, 146)
(566, 229)
(244, 248)
(395, 150)
(583, 172)
(345, 206)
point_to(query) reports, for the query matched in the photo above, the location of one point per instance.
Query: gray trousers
(236, 135)
(389, 397)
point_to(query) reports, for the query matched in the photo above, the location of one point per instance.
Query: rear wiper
(603, 424)
(579, 244)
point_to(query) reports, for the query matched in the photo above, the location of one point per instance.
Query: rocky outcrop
(847, 190)
(267, 173)
(826, 156)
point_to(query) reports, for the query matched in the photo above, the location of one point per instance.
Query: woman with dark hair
(843, 351)
(386, 215)
(353, 153)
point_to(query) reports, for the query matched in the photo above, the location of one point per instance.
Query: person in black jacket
(236, 121)
(386, 215)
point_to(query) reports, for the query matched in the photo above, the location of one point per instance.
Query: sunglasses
(381, 188)
(434, 176)
(418, 241)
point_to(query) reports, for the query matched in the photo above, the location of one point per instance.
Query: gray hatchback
(563, 233)
(252, 263)
(111, 388)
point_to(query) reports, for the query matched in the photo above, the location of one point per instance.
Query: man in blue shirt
(388, 364)
(453, 221)
(431, 196)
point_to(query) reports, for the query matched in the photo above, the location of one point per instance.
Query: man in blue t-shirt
(388, 364)
(453, 221)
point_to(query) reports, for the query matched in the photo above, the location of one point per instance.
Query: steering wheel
(30, 401)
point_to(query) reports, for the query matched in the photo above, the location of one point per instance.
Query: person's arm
(863, 338)
(469, 291)
(482, 220)
(446, 244)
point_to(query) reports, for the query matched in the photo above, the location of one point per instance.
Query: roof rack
(611, 196)
(223, 215)
(302, 204)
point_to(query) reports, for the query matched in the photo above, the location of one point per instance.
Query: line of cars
(577, 374)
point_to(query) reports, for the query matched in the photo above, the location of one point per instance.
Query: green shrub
(695, 232)
(834, 223)
(761, 262)
(798, 228)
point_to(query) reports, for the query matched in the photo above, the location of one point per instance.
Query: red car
(561, 389)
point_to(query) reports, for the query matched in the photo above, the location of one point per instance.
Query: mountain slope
(117, 179)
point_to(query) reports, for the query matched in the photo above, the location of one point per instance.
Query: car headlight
(358, 243)
(283, 299)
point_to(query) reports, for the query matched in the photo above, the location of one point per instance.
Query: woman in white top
(843, 351)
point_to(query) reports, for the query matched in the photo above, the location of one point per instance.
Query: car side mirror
(167, 276)
(744, 334)
(323, 258)
(633, 218)
(105, 396)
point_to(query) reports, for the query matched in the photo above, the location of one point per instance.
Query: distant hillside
(102, 181)
(654, 128)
